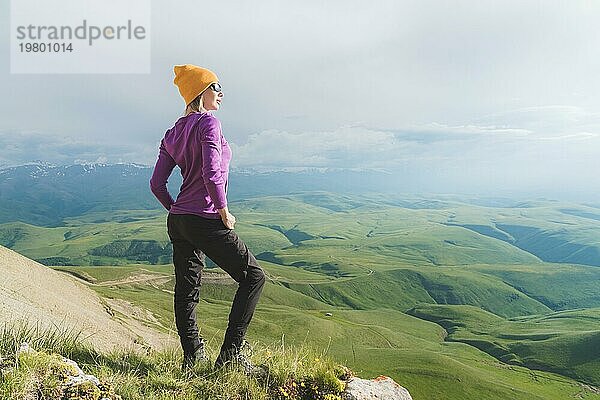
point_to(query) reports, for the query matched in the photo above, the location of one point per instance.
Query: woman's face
(211, 100)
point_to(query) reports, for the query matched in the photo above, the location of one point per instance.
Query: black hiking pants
(193, 237)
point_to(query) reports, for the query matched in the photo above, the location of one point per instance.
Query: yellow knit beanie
(192, 80)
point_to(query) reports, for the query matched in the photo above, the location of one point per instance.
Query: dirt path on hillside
(138, 278)
(153, 278)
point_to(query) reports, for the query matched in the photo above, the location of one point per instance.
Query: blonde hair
(195, 105)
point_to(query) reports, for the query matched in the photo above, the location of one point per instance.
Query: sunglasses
(216, 87)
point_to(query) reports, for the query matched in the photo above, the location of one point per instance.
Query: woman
(199, 222)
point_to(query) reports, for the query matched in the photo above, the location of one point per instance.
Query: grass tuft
(292, 372)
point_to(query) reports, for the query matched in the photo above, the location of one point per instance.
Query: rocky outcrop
(380, 388)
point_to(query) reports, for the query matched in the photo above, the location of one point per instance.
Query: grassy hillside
(476, 267)
(566, 342)
(401, 289)
(558, 286)
(298, 372)
(374, 341)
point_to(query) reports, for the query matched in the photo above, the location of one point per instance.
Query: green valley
(450, 296)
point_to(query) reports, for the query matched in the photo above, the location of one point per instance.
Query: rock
(24, 348)
(381, 388)
(76, 383)
(81, 382)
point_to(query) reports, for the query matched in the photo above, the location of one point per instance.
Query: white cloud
(344, 147)
(20, 147)
(555, 120)
(576, 136)
(502, 155)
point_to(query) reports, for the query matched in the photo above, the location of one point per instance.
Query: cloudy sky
(471, 96)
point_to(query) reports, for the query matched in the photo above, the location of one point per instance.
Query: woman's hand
(227, 218)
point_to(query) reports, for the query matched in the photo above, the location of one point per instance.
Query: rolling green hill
(401, 289)
(558, 286)
(566, 342)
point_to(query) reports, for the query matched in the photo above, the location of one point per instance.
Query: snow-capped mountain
(44, 194)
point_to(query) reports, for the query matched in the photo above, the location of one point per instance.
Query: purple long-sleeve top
(196, 144)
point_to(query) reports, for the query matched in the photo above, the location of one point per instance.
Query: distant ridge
(44, 194)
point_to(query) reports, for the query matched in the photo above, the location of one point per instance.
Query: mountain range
(43, 194)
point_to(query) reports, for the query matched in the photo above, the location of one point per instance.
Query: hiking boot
(234, 356)
(189, 360)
